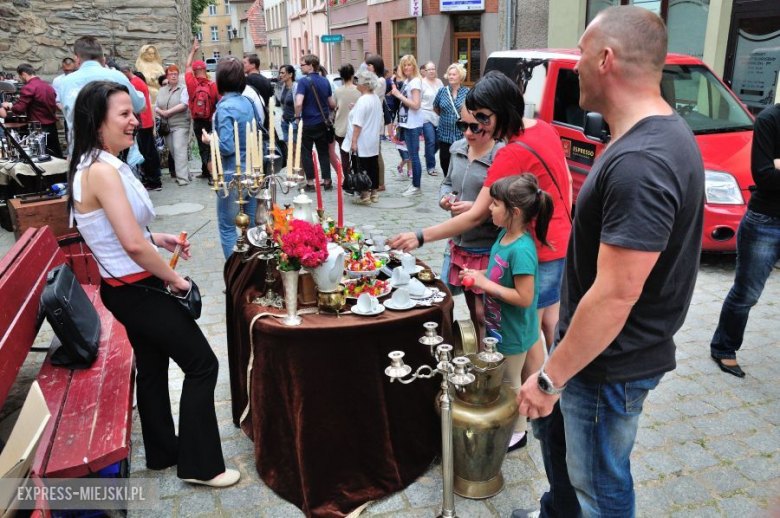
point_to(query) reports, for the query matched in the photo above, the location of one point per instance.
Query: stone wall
(42, 32)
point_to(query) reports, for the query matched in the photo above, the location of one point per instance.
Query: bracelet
(420, 237)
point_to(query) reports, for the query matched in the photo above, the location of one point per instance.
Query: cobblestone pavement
(707, 445)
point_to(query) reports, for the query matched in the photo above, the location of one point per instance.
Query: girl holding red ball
(510, 283)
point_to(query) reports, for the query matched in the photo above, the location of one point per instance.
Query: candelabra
(452, 371)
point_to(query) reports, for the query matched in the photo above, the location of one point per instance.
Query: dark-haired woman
(497, 105)
(232, 108)
(287, 100)
(112, 210)
(376, 64)
(345, 96)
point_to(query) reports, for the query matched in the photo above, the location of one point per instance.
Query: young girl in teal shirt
(510, 281)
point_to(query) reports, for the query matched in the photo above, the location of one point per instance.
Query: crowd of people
(614, 293)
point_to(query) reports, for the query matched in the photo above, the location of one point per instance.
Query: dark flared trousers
(160, 329)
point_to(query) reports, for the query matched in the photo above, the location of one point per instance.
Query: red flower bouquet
(302, 245)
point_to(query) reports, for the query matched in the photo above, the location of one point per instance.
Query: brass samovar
(484, 413)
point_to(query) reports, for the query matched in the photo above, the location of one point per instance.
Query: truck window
(567, 99)
(702, 100)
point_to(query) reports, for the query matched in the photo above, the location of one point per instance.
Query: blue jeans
(227, 210)
(286, 131)
(600, 422)
(429, 134)
(412, 139)
(758, 249)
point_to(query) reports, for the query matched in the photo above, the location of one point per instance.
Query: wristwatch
(546, 385)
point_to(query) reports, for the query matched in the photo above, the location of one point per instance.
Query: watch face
(543, 385)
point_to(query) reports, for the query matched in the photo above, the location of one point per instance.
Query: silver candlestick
(452, 372)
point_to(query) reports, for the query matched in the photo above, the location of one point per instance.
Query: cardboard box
(38, 214)
(19, 453)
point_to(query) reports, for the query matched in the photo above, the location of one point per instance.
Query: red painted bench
(91, 409)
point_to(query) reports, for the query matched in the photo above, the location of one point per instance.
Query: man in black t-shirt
(758, 242)
(630, 269)
(258, 81)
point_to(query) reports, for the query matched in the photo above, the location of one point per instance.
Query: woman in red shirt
(497, 104)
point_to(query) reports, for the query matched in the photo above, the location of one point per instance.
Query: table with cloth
(330, 431)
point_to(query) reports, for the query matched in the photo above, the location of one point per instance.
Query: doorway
(468, 46)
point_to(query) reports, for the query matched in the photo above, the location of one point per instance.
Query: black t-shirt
(262, 86)
(646, 192)
(766, 148)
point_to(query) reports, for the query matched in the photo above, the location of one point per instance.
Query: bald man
(630, 272)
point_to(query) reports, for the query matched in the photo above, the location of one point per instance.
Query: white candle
(260, 149)
(249, 153)
(220, 171)
(298, 146)
(290, 152)
(272, 127)
(213, 149)
(238, 149)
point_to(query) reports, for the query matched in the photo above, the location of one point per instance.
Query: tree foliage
(198, 6)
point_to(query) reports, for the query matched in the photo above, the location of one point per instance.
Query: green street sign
(332, 38)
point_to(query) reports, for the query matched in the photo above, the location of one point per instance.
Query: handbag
(329, 129)
(165, 128)
(72, 317)
(357, 180)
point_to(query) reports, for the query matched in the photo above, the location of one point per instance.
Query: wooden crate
(38, 214)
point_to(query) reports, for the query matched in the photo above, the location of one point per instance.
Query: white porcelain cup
(416, 288)
(379, 242)
(408, 262)
(400, 277)
(367, 229)
(367, 304)
(401, 297)
(375, 232)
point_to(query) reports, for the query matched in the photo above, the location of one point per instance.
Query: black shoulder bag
(356, 180)
(331, 131)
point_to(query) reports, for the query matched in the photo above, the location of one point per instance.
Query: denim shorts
(550, 277)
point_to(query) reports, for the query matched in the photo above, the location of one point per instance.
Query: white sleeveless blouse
(95, 227)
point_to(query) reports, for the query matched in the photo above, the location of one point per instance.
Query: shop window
(757, 61)
(567, 100)
(404, 38)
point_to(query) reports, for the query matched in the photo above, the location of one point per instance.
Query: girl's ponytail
(544, 216)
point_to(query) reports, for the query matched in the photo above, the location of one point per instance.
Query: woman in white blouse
(430, 87)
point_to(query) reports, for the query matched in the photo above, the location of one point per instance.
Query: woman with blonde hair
(447, 105)
(410, 118)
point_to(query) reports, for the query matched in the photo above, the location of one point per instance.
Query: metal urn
(484, 414)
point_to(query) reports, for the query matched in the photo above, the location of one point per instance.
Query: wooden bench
(91, 409)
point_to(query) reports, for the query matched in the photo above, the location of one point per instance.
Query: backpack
(201, 105)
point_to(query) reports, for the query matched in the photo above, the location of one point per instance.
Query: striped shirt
(446, 131)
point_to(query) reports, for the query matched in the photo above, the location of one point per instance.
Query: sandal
(433, 172)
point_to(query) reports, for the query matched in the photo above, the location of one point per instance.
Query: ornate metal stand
(452, 372)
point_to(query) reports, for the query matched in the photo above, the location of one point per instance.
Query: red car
(722, 125)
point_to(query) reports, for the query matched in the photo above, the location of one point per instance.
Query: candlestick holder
(321, 215)
(431, 338)
(452, 372)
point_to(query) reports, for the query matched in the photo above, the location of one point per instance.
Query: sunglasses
(473, 126)
(482, 118)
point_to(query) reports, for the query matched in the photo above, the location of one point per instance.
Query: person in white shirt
(365, 123)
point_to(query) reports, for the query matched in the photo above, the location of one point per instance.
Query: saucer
(356, 311)
(393, 284)
(426, 294)
(389, 304)
(385, 249)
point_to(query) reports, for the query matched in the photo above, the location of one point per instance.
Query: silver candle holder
(453, 372)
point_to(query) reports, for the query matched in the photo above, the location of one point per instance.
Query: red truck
(722, 125)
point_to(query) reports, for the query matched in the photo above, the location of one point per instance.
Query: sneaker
(432, 172)
(154, 186)
(181, 182)
(412, 191)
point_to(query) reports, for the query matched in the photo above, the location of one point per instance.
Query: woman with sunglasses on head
(447, 105)
(472, 155)
(497, 105)
(112, 210)
(410, 118)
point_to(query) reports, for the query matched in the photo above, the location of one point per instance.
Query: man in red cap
(202, 93)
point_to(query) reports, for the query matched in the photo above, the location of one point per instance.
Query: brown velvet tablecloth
(330, 430)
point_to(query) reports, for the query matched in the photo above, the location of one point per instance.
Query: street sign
(332, 38)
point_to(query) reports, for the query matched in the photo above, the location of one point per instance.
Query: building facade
(249, 17)
(442, 31)
(349, 18)
(217, 31)
(276, 27)
(307, 23)
(42, 32)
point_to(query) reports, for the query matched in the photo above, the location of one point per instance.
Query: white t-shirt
(367, 113)
(408, 118)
